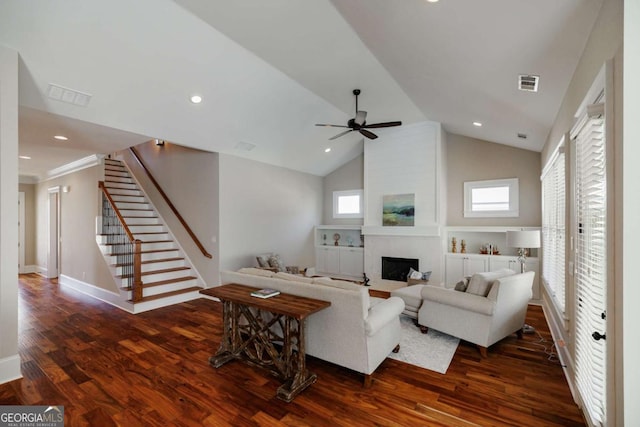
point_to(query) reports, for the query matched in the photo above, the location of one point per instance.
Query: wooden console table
(251, 332)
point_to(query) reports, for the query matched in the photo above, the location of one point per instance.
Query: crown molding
(75, 166)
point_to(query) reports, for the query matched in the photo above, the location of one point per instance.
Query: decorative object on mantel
(365, 279)
(336, 238)
(349, 241)
(454, 248)
(362, 240)
(489, 249)
(463, 247)
(324, 239)
(398, 210)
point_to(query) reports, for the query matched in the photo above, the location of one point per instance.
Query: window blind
(553, 230)
(591, 263)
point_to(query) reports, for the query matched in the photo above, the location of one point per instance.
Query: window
(553, 228)
(348, 204)
(487, 199)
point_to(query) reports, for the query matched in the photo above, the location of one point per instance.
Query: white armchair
(482, 320)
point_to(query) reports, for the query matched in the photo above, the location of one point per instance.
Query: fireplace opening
(398, 268)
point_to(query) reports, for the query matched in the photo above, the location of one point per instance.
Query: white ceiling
(268, 71)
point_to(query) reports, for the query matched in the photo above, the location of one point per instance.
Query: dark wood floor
(108, 368)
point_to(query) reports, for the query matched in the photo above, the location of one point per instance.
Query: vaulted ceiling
(268, 71)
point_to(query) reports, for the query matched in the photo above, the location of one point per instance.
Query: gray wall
(470, 159)
(189, 178)
(80, 256)
(29, 225)
(265, 208)
(350, 176)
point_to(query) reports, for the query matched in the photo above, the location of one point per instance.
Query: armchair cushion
(382, 313)
(480, 283)
(464, 301)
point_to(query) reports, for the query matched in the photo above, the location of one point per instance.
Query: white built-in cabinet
(346, 259)
(459, 265)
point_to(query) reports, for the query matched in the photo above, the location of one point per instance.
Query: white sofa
(495, 308)
(356, 331)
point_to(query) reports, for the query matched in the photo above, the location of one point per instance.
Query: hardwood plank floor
(110, 368)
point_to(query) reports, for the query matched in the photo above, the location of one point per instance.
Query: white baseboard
(566, 361)
(103, 295)
(10, 369)
(28, 269)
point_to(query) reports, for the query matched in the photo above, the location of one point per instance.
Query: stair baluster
(126, 249)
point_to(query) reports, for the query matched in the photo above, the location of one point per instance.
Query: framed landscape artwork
(398, 210)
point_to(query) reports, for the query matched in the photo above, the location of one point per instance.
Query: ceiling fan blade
(331, 126)
(368, 134)
(382, 125)
(340, 134)
(360, 117)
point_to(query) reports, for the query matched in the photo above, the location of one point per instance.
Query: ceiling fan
(358, 123)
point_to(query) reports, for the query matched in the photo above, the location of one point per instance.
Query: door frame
(21, 233)
(53, 225)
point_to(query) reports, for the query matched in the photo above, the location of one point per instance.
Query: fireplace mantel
(417, 231)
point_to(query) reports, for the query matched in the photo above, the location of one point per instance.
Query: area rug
(433, 350)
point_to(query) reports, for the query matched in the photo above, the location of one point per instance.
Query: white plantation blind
(553, 229)
(591, 267)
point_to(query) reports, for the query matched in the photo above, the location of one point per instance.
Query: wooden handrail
(173, 208)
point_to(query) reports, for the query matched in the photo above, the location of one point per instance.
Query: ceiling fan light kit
(358, 123)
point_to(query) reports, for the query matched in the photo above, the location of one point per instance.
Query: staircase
(166, 274)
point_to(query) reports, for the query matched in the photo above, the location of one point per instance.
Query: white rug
(432, 351)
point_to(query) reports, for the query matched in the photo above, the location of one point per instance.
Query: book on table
(265, 293)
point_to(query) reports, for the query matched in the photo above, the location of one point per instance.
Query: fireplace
(398, 268)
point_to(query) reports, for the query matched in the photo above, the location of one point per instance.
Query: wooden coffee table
(249, 334)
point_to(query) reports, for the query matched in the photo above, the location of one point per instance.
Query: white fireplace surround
(405, 160)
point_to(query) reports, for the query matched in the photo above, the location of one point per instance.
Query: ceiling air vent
(528, 83)
(71, 96)
(522, 135)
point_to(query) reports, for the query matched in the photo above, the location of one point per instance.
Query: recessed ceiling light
(326, 150)
(477, 124)
(24, 157)
(432, 1)
(196, 99)
(61, 137)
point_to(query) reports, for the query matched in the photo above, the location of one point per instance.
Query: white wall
(631, 254)
(266, 208)
(9, 358)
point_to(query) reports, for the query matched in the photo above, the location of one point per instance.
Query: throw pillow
(462, 285)
(480, 283)
(415, 274)
(276, 262)
(263, 260)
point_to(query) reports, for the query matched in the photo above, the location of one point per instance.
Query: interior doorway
(53, 254)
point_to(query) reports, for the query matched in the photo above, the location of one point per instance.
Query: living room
(264, 205)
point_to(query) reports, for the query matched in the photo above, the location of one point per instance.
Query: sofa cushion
(292, 277)
(480, 283)
(341, 284)
(256, 271)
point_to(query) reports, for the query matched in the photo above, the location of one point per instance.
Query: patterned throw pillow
(415, 274)
(276, 262)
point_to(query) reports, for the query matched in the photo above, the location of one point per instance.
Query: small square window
(490, 199)
(348, 204)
